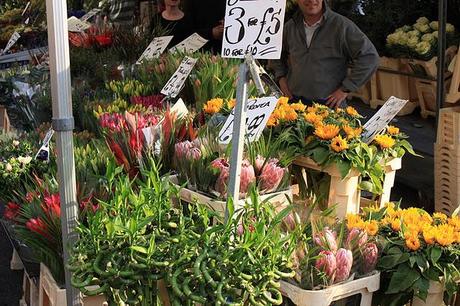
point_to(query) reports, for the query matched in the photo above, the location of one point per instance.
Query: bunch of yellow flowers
(216, 105)
(285, 112)
(371, 227)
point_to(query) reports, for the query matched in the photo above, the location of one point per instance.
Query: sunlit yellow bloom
(231, 103)
(440, 216)
(392, 130)
(323, 112)
(396, 225)
(213, 106)
(352, 111)
(283, 101)
(372, 227)
(272, 121)
(384, 141)
(327, 131)
(313, 118)
(413, 243)
(338, 144)
(354, 221)
(429, 234)
(299, 107)
(352, 132)
(312, 109)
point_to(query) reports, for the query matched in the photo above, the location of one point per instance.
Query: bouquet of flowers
(417, 248)
(419, 40)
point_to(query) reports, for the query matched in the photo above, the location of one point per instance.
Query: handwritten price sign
(254, 27)
(381, 119)
(155, 48)
(258, 113)
(189, 45)
(76, 25)
(13, 39)
(176, 82)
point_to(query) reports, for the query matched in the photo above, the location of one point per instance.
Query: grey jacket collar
(298, 16)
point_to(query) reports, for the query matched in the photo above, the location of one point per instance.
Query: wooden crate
(391, 167)
(29, 291)
(363, 93)
(447, 177)
(4, 120)
(449, 126)
(453, 96)
(426, 91)
(365, 286)
(430, 68)
(50, 294)
(191, 196)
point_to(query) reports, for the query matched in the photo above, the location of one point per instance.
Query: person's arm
(363, 55)
(280, 67)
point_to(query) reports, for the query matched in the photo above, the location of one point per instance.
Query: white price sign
(380, 120)
(14, 38)
(258, 113)
(155, 48)
(176, 82)
(189, 45)
(254, 27)
(76, 25)
(90, 14)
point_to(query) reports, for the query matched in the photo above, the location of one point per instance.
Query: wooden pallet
(453, 96)
(449, 126)
(447, 177)
(29, 291)
(426, 91)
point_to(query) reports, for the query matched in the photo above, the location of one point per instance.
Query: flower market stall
(185, 180)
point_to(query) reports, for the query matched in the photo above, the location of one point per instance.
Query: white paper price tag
(90, 14)
(44, 152)
(258, 113)
(13, 39)
(176, 82)
(76, 25)
(155, 48)
(254, 27)
(179, 108)
(380, 120)
(191, 44)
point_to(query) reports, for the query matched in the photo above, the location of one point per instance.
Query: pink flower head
(356, 237)
(220, 164)
(247, 176)
(222, 180)
(150, 101)
(136, 142)
(38, 226)
(88, 204)
(327, 263)
(326, 239)
(11, 211)
(182, 148)
(271, 176)
(370, 255)
(52, 205)
(113, 122)
(259, 163)
(193, 154)
(344, 259)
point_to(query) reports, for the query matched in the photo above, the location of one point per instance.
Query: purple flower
(370, 255)
(327, 263)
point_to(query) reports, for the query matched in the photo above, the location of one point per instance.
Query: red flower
(38, 226)
(52, 205)
(103, 40)
(136, 142)
(11, 211)
(30, 196)
(87, 204)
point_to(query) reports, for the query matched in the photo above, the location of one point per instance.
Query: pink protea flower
(326, 239)
(182, 148)
(222, 181)
(220, 164)
(370, 255)
(356, 237)
(193, 154)
(271, 176)
(344, 259)
(327, 263)
(247, 176)
(259, 163)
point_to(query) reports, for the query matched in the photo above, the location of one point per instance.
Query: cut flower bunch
(416, 248)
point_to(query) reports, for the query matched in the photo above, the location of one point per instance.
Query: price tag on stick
(380, 120)
(76, 25)
(176, 82)
(189, 45)
(14, 38)
(258, 113)
(44, 152)
(90, 14)
(155, 48)
(254, 27)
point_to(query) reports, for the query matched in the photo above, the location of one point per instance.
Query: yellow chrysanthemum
(327, 131)
(231, 103)
(392, 130)
(413, 243)
(298, 107)
(352, 132)
(352, 111)
(384, 141)
(323, 112)
(291, 115)
(272, 121)
(282, 101)
(213, 106)
(354, 221)
(313, 118)
(312, 109)
(429, 234)
(372, 227)
(396, 225)
(440, 216)
(338, 144)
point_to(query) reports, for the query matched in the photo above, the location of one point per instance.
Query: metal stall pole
(63, 124)
(440, 90)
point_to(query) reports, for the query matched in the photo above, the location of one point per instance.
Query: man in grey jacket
(319, 46)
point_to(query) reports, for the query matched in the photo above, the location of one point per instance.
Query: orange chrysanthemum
(372, 227)
(213, 106)
(392, 130)
(327, 131)
(313, 118)
(352, 132)
(338, 144)
(298, 107)
(413, 243)
(231, 103)
(352, 111)
(384, 141)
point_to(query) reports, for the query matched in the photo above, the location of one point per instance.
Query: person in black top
(208, 20)
(175, 21)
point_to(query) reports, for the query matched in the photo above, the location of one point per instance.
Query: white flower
(435, 34)
(393, 38)
(412, 42)
(429, 37)
(403, 38)
(434, 25)
(423, 48)
(422, 27)
(15, 143)
(423, 20)
(24, 160)
(8, 167)
(413, 33)
(450, 28)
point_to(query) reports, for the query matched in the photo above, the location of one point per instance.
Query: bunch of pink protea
(206, 169)
(335, 256)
